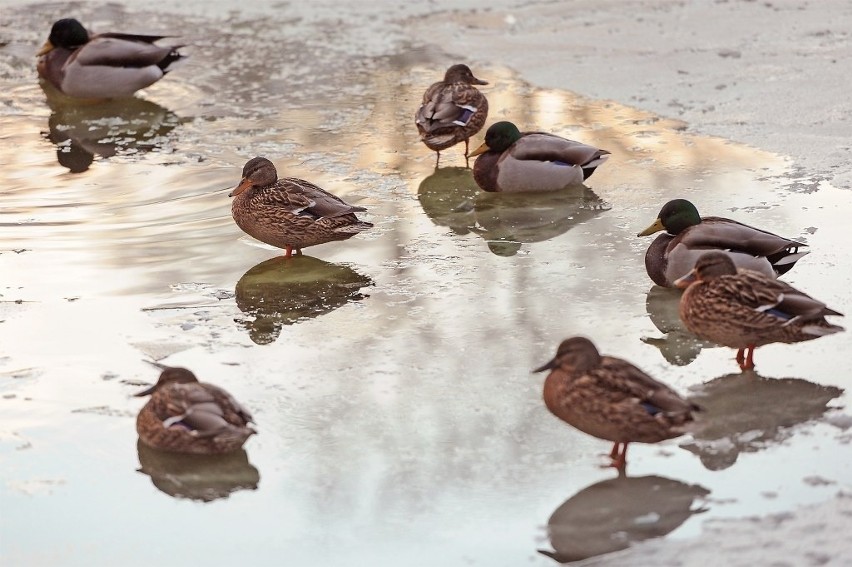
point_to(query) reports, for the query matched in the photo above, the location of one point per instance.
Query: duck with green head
(743, 309)
(517, 162)
(687, 236)
(611, 399)
(107, 65)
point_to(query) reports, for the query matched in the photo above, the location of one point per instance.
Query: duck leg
(745, 357)
(749, 362)
(466, 151)
(619, 463)
(741, 358)
(615, 450)
(618, 457)
(437, 159)
(288, 251)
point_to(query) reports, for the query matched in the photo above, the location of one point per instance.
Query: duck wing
(539, 146)
(629, 382)
(774, 298)
(727, 234)
(307, 198)
(133, 37)
(203, 408)
(116, 52)
(447, 106)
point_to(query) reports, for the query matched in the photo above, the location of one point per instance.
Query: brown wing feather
(623, 380)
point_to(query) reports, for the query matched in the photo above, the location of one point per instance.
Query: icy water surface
(389, 374)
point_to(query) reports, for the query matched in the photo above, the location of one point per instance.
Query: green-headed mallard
(107, 65)
(611, 399)
(512, 161)
(744, 309)
(290, 213)
(688, 236)
(188, 416)
(453, 110)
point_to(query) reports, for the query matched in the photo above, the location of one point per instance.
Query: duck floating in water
(188, 416)
(290, 213)
(743, 309)
(107, 65)
(688, 236)
(611, 399)
(452, 111)
(511, 161)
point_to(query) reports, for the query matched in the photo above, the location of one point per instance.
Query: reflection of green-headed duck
(744, 309)
(511, 161)
(188, 416)
(688, 236)
(611, 399)
(452, 111)
(107, 65)
(290, 213)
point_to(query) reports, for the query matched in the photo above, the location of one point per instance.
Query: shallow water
(398, 420)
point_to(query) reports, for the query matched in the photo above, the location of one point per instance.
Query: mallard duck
(188, 416)
(611, 399)
(511, 161)
(290, 213)
(745, 309)
(688, 236)
(107, 65)
(452, 111)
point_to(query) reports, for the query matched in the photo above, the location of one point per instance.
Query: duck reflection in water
(83, 130)
(733, 424)
(198, 477)
(506, 221)
(678, 346)
(613, 514)
(283, 291)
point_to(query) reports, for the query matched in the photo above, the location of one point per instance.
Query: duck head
(257, 172)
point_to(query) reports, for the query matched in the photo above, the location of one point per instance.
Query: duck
(184, 415)
(290, 213)
(452, 111)
(687, 236)
(516, 162)
(743, 309)
(102, 66)
(611, 399)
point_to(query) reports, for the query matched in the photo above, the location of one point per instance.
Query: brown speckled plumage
(611, 399)
(290, 213)
(744, 309)
(452, 111)
(188, 416)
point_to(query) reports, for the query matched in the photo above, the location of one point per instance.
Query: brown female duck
(107, 65)
(188, 416)
(512, 161)
(452, 111)
(611, 399)
(744, 309)
(290, 213)
(688, 236)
